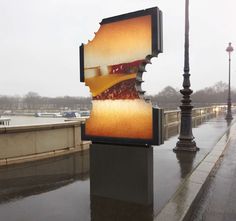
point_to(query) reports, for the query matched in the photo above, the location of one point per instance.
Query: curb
(180, 206)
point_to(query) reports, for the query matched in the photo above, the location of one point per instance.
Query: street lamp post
(186, 139)
(229, 49)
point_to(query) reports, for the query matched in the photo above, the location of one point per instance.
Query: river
(31, 120)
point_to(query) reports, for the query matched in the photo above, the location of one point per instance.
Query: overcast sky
(39, 41)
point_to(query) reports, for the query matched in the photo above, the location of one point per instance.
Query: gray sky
(39, 42)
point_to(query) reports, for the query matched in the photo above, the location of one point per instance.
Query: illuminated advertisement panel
(111, 65)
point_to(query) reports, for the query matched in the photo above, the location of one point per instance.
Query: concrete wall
(24, 142)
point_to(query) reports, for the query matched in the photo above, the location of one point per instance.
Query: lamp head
(229, 48)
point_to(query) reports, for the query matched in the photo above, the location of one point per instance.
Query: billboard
(111, 65)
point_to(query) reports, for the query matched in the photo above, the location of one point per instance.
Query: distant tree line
(33, 101)
(168, 98)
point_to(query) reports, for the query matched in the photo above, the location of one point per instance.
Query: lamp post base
(229, 117)
(186, 139)
(186, 145)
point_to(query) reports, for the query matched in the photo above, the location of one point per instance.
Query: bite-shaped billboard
(111, 65)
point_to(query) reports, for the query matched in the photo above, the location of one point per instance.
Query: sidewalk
(194, 170)
(218, 200)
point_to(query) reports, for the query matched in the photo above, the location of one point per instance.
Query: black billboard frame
(157, 113)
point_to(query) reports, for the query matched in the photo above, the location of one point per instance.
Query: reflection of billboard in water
(112, 65)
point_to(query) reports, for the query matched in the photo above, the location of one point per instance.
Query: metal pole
(186, 139)
(229, 113)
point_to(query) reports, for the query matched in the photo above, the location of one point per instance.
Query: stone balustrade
(174, 117)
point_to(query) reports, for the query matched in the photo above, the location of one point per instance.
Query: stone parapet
(26, 143)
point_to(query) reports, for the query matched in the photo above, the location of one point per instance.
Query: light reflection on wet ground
(121, 180)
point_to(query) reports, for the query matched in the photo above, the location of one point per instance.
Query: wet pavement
(52, 189)
(108, 182)
(170, 169)
(218, 201)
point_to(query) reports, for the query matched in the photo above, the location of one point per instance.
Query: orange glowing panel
(124, 118)
(109, 47)
(111, 65)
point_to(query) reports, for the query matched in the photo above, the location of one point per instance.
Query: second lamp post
(229, 49)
